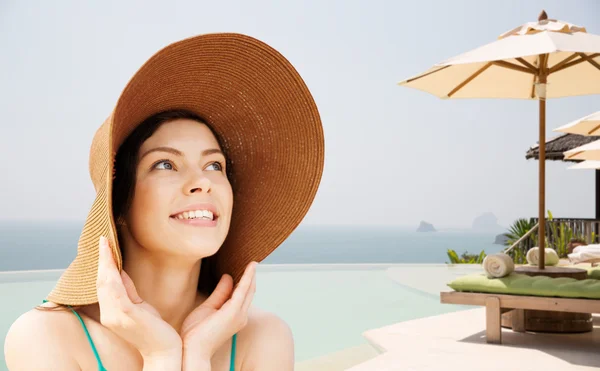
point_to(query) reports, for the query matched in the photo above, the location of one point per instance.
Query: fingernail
(103, 242)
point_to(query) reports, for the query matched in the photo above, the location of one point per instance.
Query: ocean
(52, 245)
(327, 306)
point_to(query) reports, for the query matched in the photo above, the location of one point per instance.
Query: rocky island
(426, 227)
(501, 239)
(487, 222)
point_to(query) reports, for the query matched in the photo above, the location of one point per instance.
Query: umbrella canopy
(588, 125)
(586, 165)
(510, 67)
(590, 151)
(538, 60)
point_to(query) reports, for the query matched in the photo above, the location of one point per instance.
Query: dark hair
(125, 173)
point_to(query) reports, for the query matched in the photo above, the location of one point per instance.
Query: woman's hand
(216, 320)
(137, 322)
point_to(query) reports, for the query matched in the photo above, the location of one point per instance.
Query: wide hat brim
(259, 106)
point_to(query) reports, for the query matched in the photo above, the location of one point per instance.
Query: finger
(250, 294)
(239, 294)
(236, 308)
(107, 267)
(221, 293)
(101, 259)
(132, 293)
(109, 285)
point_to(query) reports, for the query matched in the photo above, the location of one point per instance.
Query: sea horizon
(40, 246)
(439, 228)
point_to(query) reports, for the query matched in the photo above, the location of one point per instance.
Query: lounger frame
(593, 262)
(497, 304)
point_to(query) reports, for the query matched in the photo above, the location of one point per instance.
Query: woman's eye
(215, 166)
(164, 165)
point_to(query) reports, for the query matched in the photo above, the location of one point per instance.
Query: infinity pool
(327, 306)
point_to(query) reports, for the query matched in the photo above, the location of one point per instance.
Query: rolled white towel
(498, 265)
(533, 256)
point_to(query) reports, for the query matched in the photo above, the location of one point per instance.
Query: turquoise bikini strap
(100, 366)
(87, 334)
(232, 362)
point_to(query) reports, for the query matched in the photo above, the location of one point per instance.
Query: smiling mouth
(206, 215)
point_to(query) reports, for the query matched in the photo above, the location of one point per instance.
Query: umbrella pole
(597, 197)
(542, 174)
(542, 185)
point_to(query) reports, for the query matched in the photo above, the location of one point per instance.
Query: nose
(197, 183)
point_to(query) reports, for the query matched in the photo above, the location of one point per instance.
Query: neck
(168, 283)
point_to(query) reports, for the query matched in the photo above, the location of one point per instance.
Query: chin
(201, 247)
(198, 241)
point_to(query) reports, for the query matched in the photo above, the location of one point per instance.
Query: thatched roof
(556, 146)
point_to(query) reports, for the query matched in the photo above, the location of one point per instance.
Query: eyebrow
(176, 152)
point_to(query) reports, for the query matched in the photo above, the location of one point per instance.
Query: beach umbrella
(538, 60)
(590, 151)
(588, 125)
(590, 164)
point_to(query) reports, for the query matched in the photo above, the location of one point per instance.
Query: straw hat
(255, 100)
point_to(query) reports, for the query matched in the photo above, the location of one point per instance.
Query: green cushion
(520, 284)
(594, 273)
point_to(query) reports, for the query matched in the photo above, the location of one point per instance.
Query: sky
(394, 155)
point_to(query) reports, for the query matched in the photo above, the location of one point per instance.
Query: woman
(210, 159)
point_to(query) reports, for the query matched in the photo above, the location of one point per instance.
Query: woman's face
(183, 200)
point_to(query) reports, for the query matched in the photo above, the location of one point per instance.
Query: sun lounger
(497, 304)
(518, 293)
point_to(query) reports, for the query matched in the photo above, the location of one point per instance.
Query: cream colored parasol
(538, 60)
(588, 125)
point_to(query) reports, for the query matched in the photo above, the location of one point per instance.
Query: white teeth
(196, 214)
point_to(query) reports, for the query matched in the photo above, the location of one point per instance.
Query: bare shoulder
(39, 340)
(266, 342)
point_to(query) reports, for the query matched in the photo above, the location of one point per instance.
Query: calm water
(327, 307)
(33, 246)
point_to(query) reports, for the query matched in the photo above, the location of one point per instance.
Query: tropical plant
(561, 236)
(558, 237)
(518, 229)
(518, 255)
(465, 258)
(534, 240)
(581, 238)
